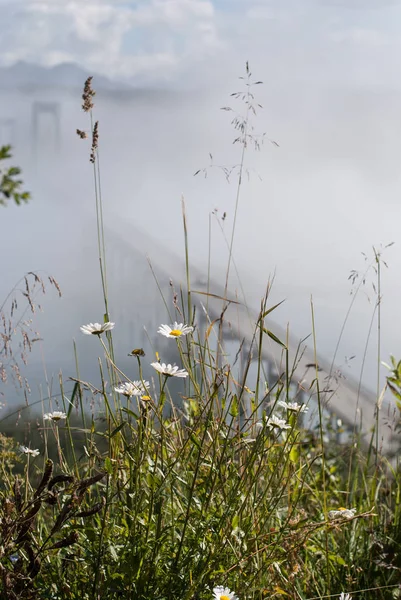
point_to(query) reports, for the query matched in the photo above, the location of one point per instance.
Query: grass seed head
(88, 95)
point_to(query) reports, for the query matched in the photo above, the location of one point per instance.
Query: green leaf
(129, 412)
(71, 402)
(269, 310)
(294, 453)
(394, 390)
(234, 406)
(195, 441)
(215, 296)
(10, 185)
(337, 559)
(117, 429)
(274, 337)
(108, 466)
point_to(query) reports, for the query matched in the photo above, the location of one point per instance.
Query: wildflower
(274, 422)
(223, 593)
(56, 415)
(293, 406)
(344, 596)
(169, 370)
(176, 331)
(134, 388)
(96, 328)
(26, 450)
(346, 513)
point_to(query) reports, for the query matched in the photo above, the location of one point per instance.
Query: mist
(328, 192)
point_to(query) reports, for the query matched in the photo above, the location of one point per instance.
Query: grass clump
(199, 480)
(183, 491)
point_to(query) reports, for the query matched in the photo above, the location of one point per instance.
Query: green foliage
(10, 185)
(169, 491)
(167, 503)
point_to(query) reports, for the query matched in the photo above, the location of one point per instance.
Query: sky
(164, 40)
(327, 193)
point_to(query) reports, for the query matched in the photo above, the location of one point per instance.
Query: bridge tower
(8, 131)
(42, 109)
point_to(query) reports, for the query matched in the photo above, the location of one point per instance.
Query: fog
(328, 192)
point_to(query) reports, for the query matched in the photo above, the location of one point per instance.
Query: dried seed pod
(51, 498)
(85, 483)
(34, 561)
(92, 511)
(27, 520)
(37, 563)
(48, 472)
(60, 479)
(17, 494)
(69, 540)
(63, 516)
(34, 510)
(29, 550)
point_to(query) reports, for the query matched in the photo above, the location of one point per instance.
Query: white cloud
(181, 40)
(360, 4)
(151, 38)
(360, 36)
(261, 12)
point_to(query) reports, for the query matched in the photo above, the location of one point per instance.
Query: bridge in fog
(135, 294)
(341, 397)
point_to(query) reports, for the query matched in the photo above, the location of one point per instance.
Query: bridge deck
(342, 395)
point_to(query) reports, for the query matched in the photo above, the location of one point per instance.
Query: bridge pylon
(40, 109)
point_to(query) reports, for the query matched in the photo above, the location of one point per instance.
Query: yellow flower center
(177, 333)
(224, 598)
(342, 508)
(145, 397)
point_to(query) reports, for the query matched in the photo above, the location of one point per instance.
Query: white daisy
(223, 593)
(344, 513)
(344, 596)
(176, 331)
(134, 388)
(274, 422)
(96, 328)
(169, 370)
(293, 406)
(56, 415)
(26, 450)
